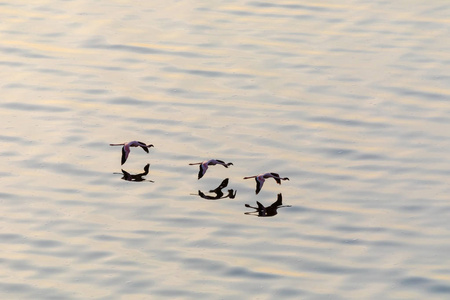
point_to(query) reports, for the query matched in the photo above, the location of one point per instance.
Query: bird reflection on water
(268, 211)
(219, 194)
(135, 177)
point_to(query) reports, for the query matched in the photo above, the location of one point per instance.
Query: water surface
(349, 100)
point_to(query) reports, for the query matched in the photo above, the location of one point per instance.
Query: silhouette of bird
(262, 177)
(136, 177)
(204, 165)
(270, 210)
(218, 191)
(126, 148)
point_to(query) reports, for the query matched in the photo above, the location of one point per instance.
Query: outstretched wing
(276, 177)
(146, 169)
(221, 162)
(201, 172)
(223, 184)
(259, 185)
(145, 148)
(124, 155)
(279, 201)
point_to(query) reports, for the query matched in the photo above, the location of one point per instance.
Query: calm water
(349, 100)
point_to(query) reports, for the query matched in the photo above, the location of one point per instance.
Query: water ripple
(347, 100)
(34, 107)
(206, 73)
(96, 44)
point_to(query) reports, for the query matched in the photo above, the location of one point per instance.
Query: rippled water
(349, 100)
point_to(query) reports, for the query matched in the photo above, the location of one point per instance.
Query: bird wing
(223, 184)
(259, 185)
(261, 209)
(221, 162)
(126, 175)
(276, 177)
(277, 203)
(201, 172)
(124, 155)
(143, 146)
(146, 169)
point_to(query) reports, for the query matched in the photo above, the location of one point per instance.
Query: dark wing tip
(124, 155)
(200, 172)
(258, 186)
(223, 184)
(279, 200)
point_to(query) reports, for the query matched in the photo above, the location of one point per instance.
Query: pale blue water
(349, 100)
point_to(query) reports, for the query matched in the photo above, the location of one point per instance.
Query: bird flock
(203, 167)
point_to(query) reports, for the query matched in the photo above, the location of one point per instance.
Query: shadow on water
(267, 211)
(219, 194)
(135, 177)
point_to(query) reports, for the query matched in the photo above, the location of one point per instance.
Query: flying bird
(204, 165)
(126, 148)
(262, 177)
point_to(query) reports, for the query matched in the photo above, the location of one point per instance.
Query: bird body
(126, 148)
(205, 164)
(261, 178)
